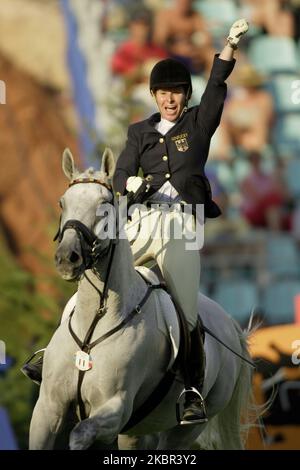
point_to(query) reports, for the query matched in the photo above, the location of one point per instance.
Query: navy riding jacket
(181, 154)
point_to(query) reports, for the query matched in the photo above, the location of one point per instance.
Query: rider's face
(170, 102)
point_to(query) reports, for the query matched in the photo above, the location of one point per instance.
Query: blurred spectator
(183, 32)
(264, 197)
(275, 17)
(224, 227)
(218, 191)
(131, 56)
(249, 111)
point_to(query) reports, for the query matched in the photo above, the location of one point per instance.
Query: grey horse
(127, 365)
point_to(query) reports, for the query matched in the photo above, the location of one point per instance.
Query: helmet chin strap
(188, 94)
(184, 110)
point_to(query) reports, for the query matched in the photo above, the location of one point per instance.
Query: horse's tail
(237, 418)
(229, 428)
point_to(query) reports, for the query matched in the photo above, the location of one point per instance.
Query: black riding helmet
(170, 73)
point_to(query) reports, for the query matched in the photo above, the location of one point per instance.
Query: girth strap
(153, 400)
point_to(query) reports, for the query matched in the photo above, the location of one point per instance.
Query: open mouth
(171, 109)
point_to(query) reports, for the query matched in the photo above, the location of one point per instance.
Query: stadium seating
(198, 85)
(292, 176)
(278, 301)
(282, 256)
(286, 134)
(237, 297)
(284, 90)
(272, 54)
(219, 14)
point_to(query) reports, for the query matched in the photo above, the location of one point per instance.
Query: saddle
(180, 338)
(154, 275)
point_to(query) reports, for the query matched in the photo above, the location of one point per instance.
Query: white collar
(163, 126)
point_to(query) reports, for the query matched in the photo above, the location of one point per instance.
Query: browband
(90, 180)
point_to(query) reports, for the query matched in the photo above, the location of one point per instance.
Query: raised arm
(212, 101)
(227, 53)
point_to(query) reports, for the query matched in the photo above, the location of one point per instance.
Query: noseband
(91, 250)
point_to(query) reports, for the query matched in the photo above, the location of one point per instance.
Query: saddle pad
(166, 315)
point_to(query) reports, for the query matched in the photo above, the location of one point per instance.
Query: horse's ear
(108, 162)
(68, 164)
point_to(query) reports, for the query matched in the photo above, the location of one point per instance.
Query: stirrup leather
(40, 351)
(184, 392)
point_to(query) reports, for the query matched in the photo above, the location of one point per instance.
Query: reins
(207, 330)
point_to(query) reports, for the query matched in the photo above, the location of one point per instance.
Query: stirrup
(29, 361)
(184, 392)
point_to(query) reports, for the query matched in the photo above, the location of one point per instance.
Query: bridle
(89, 242)
(91, 252)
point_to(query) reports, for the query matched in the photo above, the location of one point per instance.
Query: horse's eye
(60, 204)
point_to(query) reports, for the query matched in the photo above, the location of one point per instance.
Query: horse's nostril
(74, 257)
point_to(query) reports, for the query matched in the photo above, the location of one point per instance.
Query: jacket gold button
(161, 140)
(165, 158)
(167, 175)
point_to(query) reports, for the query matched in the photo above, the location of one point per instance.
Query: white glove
(237, 30)
(134, 183)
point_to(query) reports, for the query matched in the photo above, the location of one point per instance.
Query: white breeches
(169, 238)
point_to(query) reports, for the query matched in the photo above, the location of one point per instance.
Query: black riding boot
(33, 370)
(194, 407)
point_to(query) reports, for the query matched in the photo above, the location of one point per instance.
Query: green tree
(28, 319)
